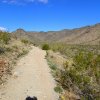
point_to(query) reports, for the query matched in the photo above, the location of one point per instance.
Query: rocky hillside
(84, 35)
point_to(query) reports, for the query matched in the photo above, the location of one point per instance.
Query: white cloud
(23, 1)
(3, 29)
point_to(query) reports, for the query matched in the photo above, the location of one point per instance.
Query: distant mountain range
(84, 35)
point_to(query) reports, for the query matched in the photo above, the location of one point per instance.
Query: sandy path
(34, 79)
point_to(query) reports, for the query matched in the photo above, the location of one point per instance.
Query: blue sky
(47, 15)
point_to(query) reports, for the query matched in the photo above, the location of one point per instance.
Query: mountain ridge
(84, 35)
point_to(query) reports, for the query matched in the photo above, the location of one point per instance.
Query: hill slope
(84, 35)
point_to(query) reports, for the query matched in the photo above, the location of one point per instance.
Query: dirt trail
(31, 77)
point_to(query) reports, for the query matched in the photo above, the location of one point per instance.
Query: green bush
(4, 37)
(25, 41)
(52, 66)
(58, 89)
(45, 47)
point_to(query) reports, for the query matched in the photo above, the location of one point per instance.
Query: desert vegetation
(82, 76)
(45, 47)
(25, 41)
(11, 49)
(4, 37)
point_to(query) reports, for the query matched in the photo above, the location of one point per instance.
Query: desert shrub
(58, 89)
(4, 37)
(71, 50)
(83, 77)
(9, 49)
(25, 41)
(15, 46)
(52, 66)
(86, 66)
(65, 65)
(24, 52)
(83, 60)
(2, 50)
(45, 47)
